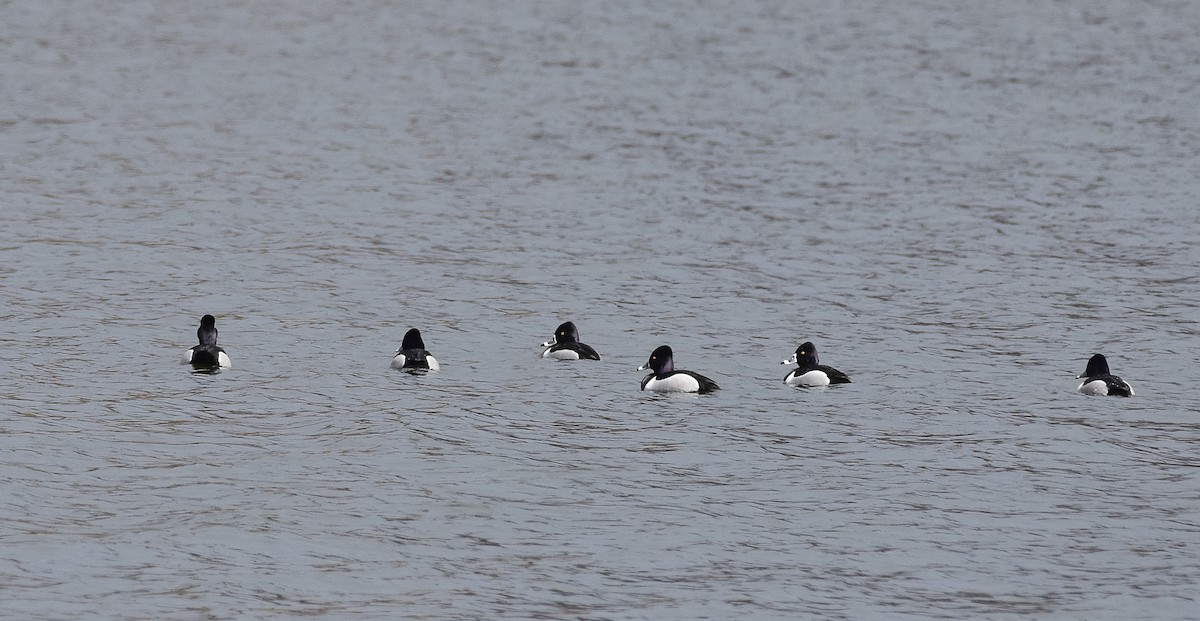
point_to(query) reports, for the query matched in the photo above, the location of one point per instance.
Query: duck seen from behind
(811, 373)
(412, 356)
(207, 355)
(1099, 381)
(666, 379)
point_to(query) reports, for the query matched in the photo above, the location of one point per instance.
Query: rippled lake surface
(958, 202)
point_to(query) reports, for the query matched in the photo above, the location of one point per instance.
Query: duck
(1098, 381)
(811, 373)
(412, 356)
(666, 378)
(207, 355)
(566, 346)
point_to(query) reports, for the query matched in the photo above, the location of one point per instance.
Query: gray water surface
(957, 202)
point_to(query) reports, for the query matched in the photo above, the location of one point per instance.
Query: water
(958, 203)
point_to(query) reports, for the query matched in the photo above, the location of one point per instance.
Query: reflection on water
(958, 204)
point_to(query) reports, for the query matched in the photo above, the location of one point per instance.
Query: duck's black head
(1097, 365)
(566, 333)
(662, 361)
(207, 332)
(806, 355)
(412, 340)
